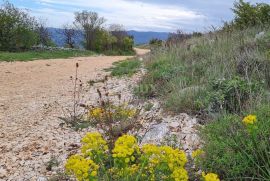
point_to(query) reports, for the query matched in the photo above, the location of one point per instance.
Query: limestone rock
(156, 134)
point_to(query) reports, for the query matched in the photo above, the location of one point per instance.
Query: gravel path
(29, 127)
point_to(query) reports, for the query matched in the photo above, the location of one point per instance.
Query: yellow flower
(210, 177)
(95, 113)
(250, 120)
(80, 167)
(93, 144)
(94, 173)
(127, 160)
(125, 147)
(174, 157)
(180, 174)
(197, 153)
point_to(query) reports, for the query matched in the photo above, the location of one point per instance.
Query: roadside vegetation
(44, 54)
(126, 67)
(222, 77)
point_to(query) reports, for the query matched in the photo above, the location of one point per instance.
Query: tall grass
(185, 75)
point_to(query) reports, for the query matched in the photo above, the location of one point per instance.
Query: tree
(44, 36)
(247, 14)
(90, 23)
(128, 43)
(17, 28)
(124, 41)
(70, 33)
(118, 31)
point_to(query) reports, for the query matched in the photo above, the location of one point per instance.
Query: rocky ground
(40, 139)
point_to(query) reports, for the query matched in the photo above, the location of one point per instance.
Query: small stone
(260, 35)
(42, 179)
(174, 124)
(2, 135)
(3, 173)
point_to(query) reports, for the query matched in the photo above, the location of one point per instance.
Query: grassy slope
(34, 55)
(184, 75)
(225, 76)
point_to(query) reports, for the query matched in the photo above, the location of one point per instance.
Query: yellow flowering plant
(126, 161)
(197, 153)
(210, 177)
(82, 168)
(94, 146)
(250, 122)
(113, 118)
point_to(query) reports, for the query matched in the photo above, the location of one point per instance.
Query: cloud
(146, 15)
(132, 14)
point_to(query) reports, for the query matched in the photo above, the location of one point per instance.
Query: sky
(141, 15)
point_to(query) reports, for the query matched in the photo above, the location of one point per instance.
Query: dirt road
(29, 128)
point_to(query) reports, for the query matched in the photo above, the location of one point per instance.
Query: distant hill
(145, 37)
(139, 37)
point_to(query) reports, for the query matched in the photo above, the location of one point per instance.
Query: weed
(115, 119)
(126, 67)
(53, 162)
(148, 106)
(74, 116)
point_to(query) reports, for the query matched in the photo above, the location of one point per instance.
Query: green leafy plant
(53, 162)
(238, 148)
(231, 95)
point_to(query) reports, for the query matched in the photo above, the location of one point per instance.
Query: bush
(238, 150)
(250, 15)
(232, 95)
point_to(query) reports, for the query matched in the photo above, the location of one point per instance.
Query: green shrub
(250, 15)
(231, 95)
(237, 151)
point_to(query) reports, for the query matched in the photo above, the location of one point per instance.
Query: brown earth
(28, 114)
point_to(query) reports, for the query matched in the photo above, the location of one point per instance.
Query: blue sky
(142, 15)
